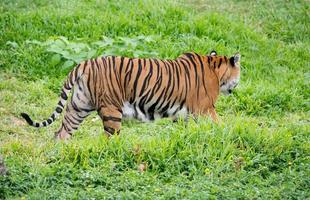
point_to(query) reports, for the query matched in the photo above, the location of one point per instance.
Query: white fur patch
(182, 113)
(128, 110)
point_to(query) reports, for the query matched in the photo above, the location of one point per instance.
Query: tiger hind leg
(111, 118)
(77, 110)
(70, 123)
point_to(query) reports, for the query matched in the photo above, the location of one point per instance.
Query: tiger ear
(213, 53)
(235, 59)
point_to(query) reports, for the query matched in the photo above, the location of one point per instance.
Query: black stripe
(58, 110)
(64, 95)
(92, 93)
(165, 108)
(109, 130)
(128, 76)
(115, 93)
(173, 102)
(121, 67)
(136, 112)
(157, 64)
(141, 107)
(177, 73)
(27, 118)
(182, 103)
(190, 57)
(60, 104)
(66, 86)
(118, 80)
(187, 70)
(84, 67)
(79, 86)
(159, 82)
(128, 64)
(78, 114)
(86, 109)
(172, 90)
(88, 83)
(165, 114)
(224, 74)
(111, 118)
(76, 119)
(202, 73)
(95, 79)
(137, 78)
(71, 76)
(74, 106)
(220, 63)
(76, 73)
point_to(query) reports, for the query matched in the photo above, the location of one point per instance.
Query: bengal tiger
(145, 89)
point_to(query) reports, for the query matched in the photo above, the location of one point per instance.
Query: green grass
(259, 151)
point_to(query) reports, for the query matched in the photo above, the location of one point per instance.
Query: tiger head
(228, 70)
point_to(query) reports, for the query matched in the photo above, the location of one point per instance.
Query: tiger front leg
(209, 111)
(213, 114)
(111, 118)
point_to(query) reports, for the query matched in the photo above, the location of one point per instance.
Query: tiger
(119, 87)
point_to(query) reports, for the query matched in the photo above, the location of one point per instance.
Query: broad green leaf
(55, 59)
(68, 64)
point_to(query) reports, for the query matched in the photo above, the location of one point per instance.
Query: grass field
(260, 150)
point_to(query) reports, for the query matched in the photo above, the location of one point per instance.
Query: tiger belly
(132, 111)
